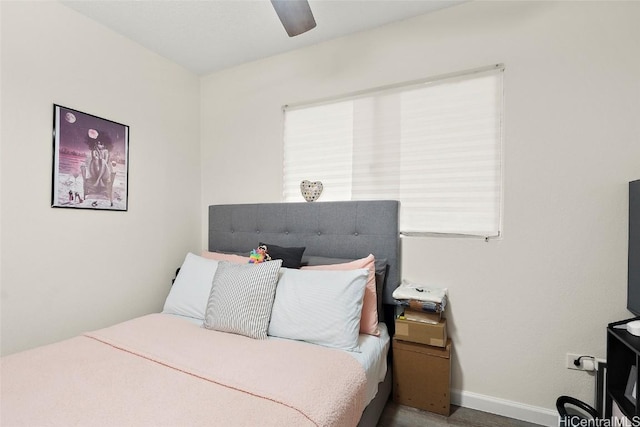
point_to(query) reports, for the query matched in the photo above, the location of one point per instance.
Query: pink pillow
(369, 318)
(238, 259)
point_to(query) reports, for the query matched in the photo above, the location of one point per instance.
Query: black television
(633, 278)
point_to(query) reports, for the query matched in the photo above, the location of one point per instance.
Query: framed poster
(90, 161)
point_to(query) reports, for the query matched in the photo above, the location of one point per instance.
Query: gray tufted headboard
(349, 230)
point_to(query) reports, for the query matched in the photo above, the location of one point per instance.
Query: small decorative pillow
(241, 298)
(259, 255)
(291, 257)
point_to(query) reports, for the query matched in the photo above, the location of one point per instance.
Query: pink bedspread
(158, 370)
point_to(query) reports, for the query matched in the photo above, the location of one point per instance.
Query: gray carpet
(395, 415)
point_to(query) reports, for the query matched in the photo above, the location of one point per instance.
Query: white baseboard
(506, 408)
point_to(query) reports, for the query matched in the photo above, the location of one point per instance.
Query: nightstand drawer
(422, 376)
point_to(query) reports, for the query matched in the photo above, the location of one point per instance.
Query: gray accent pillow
(321, 260)
(241, 298)
(291, 257)
(381, 276)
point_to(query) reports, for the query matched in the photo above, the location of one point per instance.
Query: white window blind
(436, 146)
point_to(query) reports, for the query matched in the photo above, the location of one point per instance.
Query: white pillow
(319, 306)
(190, 291)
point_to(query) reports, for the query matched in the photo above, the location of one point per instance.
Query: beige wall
(572, 96)
(64, 271)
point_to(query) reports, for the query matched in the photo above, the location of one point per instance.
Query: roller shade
(436, 146)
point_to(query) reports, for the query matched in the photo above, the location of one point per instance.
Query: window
(434, 145)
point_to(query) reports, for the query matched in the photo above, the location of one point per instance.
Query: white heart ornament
(311, 190)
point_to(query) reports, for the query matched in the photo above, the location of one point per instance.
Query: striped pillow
(241, 298)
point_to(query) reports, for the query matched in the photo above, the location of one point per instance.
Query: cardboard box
(422, 376)
(422, 333)
(422, 316)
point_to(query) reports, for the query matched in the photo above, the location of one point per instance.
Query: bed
(167, 369)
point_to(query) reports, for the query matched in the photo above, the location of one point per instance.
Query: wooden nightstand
(422, 376)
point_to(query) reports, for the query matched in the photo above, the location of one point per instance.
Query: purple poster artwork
(90, 161)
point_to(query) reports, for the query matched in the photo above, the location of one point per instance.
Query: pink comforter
(158, 370)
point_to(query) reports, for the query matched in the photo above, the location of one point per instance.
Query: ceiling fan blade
(295, 15)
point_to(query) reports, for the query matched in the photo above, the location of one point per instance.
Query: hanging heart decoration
(311, 190)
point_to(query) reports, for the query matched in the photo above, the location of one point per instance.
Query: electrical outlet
(571, 357)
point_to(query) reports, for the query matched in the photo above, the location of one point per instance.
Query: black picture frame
(630, 391)
(90, 161)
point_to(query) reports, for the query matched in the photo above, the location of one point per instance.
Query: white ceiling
(205, 36)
